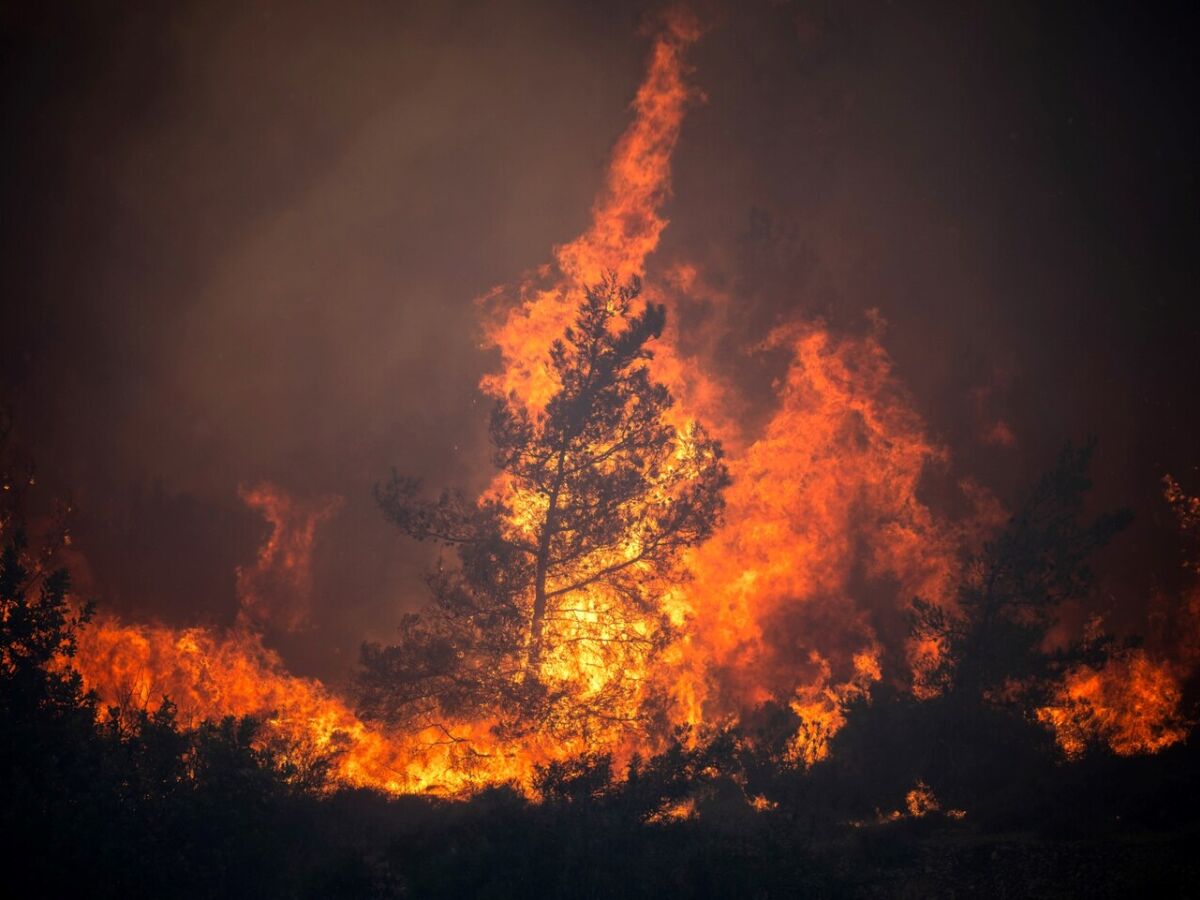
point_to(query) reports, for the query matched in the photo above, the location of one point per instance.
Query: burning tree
(556, 602)
(1011, 595)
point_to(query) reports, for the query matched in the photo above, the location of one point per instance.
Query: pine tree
(555, 601)
(1013, 592)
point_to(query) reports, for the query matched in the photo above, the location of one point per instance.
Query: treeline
(964, 792)
(100, 807)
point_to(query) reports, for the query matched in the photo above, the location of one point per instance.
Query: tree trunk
(538, 619)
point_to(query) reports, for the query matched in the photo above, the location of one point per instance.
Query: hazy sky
(242, 242)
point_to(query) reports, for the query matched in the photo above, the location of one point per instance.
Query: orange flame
(209, 675)
(277, 587)
(626, 224)
(800, 597)
(823, 510)
(826, 496)
(1132, 704)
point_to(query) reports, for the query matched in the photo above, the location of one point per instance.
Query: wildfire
(626, 225)
(276, 588)
(800, 596)
(1134, 702)
(1131, 704)
(209, 675)
(823, 505)
(825, 498)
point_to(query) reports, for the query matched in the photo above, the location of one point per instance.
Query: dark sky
(242, 242)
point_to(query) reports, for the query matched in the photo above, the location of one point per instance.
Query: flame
(799, 597)
(675, 811)
(920, 801)
(209, 675)
(277, 587)
(1132, 704)
(827, 495)
(824, 507)
(625, 228)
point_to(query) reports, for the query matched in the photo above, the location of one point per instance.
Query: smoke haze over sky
(243, 243)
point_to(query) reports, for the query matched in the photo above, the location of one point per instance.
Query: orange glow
(211, 675)
(277, 587)
(1131, 704)
(676, 811)
(1134, 702)
(626, 225)
(824, 503)
(920, 801)
(799, 597)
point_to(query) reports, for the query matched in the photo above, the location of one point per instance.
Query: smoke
(244, 245)
(276, 590)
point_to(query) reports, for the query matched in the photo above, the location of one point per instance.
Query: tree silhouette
(1012, 593)
(978, 742)
(557, 593)
(37, 622)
